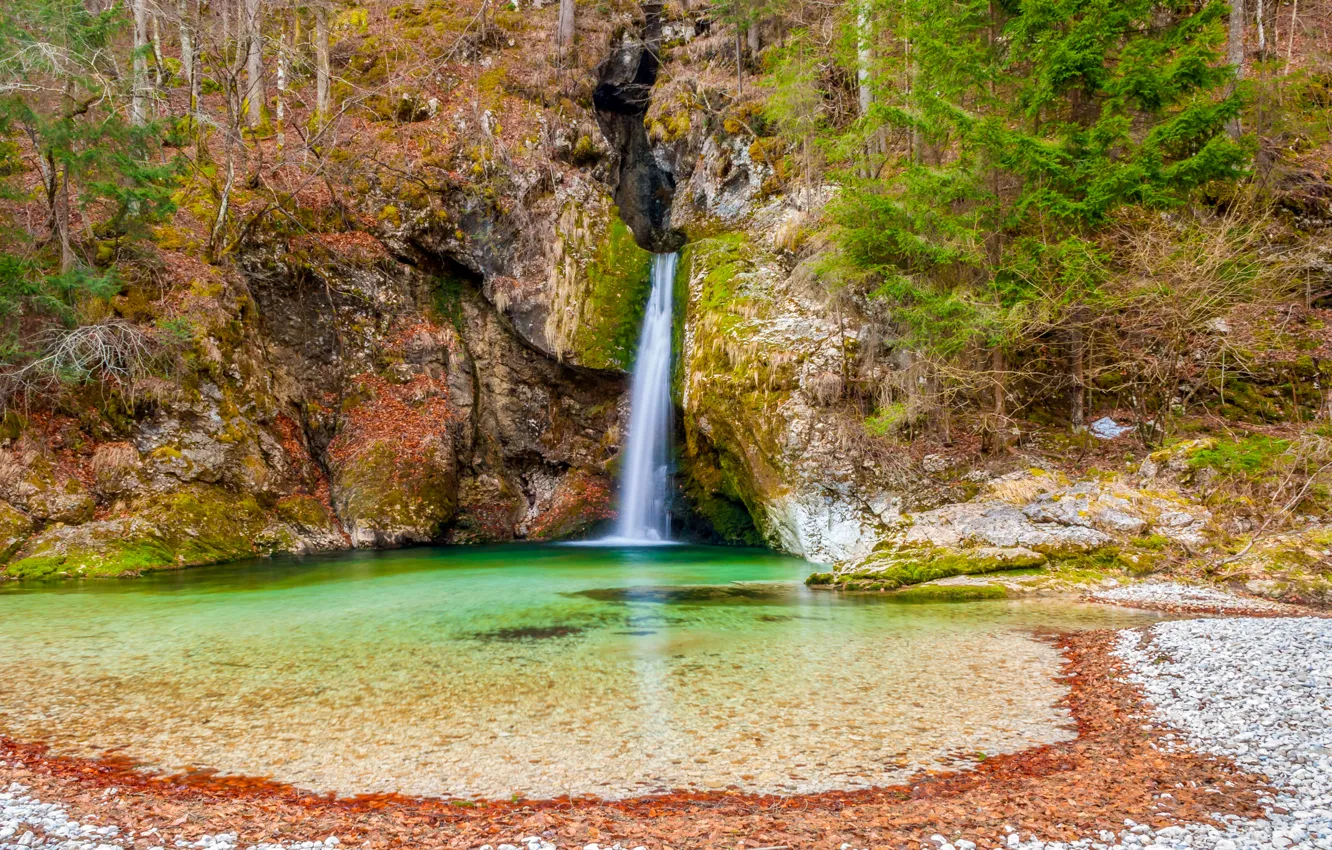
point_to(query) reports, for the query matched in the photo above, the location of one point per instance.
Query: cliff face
(437, 355)
(338, 399)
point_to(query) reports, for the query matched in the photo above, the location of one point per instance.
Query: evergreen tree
(1039, 122)
(60, 91)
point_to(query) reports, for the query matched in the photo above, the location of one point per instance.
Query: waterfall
(646, 460)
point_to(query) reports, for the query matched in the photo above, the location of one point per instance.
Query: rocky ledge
(1039, 528)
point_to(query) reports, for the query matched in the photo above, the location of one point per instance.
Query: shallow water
(538, 671)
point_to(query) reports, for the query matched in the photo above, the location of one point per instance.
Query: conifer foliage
(1023, 129)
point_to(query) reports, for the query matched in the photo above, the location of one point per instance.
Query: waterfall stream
(644, 517)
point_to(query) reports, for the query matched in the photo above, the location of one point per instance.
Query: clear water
(530, 670)
(644, 517)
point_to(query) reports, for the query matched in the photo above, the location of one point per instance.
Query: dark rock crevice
(644, 189)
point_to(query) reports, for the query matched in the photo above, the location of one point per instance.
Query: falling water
(643, 473)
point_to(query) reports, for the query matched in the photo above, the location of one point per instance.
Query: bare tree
(564, 32)
(254, 62)
(322, 75)
(864, 55)
(1235, 52)
(139, 97)
(189, 60)
(159, 64)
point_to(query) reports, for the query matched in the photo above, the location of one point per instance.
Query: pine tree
(61, 90)
(1049, 117)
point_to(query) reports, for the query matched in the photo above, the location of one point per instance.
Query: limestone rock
(30, 481)
(199, 524)
(999, 524)
(387, 497)
(15, 528)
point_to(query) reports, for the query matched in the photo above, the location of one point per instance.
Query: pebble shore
(1170, 596)
(1258, 691)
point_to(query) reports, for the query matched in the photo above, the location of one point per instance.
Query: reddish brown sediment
(1111, 771)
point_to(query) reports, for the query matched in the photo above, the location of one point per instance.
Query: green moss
(584, 152)
(724, 256)
(1154, 542)
(618, 285)
(887, 420)
(490, 86)
(1085, 567)
(447, 298)
(948, 593)
(903, 568)
(1247, 457)
(37, 566)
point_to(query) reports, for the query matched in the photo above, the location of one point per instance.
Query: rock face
(1026, 519)
(338, 400)
(763, 364)
(643, 188)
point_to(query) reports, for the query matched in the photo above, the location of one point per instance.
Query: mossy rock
(387, 499)
(713, 490)
(15, 528)
(47, 496)
(200, 524)
(618, 285)
(906, 567)
(106, 548)
(582, 500)
(305, 513)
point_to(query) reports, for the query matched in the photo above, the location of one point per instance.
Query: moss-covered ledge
(196, 525)
(907, 566)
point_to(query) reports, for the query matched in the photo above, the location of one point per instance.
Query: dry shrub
(113, 468)
(116, 353)
(1158, 334)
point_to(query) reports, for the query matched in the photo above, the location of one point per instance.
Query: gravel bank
(1168, 596)
(1256, 691)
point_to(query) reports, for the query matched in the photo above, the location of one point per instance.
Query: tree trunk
(999, 427)
(755, 37)
(226, 27)
(159, 65)
(322, 75)
(67, 259)
(188, 58)
(564, 32)
(1077, 354)
(739, 61)
(139, 96)
(254, 63)
(864, 56)
(1290, 42)
(1235, 54)
(282, 86)
(1262, 32)
(1235, 40)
